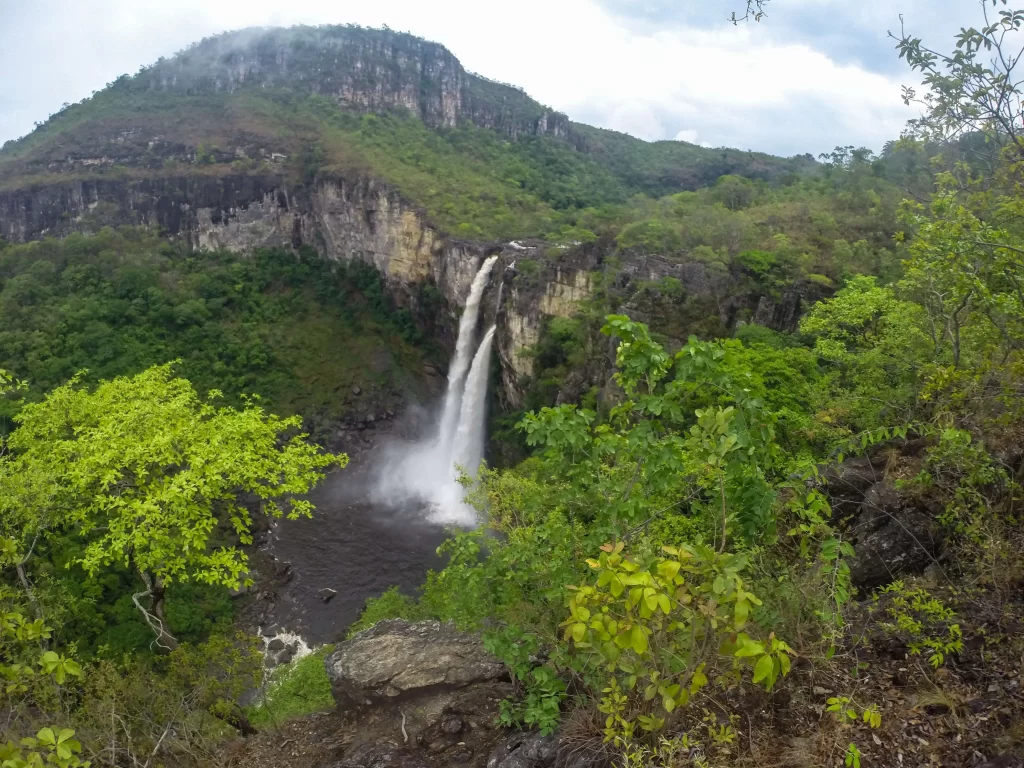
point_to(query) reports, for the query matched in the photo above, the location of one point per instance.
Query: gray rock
(451, 724)
(396, 658)
(270, 631)
(283, 657)
(380, 755)
(356, 391)
(892, 535)
(327, 594)
(525, 750)
(277, 644)
(847, 483)
(531, 750)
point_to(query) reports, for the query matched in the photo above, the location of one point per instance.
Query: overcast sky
(813, 75)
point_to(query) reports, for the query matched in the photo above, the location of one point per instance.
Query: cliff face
(364, 219)
(373, 70)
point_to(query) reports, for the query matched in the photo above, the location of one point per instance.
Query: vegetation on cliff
(298, 331)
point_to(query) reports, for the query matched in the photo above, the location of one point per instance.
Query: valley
(357, 410)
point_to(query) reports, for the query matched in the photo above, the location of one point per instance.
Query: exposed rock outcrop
(396, 659)
(422, 694)
(532, 750)
(893, 532)
(360, 68)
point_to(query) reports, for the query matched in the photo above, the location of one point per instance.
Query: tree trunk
(154, 616)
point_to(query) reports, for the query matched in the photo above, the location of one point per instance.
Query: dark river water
(353, 547)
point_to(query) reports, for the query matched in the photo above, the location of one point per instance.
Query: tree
(154, 479)
(975, 89)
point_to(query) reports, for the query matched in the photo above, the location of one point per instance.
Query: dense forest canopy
(680, 548)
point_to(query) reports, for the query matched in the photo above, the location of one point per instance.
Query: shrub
(296, 689)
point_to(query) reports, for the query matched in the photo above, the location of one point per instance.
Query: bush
(296, 689)
(390, 605)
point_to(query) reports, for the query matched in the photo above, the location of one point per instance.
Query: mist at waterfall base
(427, 471)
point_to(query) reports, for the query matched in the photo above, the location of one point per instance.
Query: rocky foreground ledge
(420, 695)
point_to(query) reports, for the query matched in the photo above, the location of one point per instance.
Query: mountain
(379, 148)
(238, 115)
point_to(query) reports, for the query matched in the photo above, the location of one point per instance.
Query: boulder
(532, 750)
(892, 532)
(327, 594)
(847, 483)
(431, 693)
(893, 535)
(396, 658)
(277, 644)
(525, 750)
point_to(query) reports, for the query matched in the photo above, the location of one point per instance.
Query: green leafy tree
(154, 479)
(974, 89)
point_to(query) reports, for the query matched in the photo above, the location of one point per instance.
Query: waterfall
(468, 446)
(425, 472)
(463, 355)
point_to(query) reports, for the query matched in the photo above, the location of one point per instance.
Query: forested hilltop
(756, 442)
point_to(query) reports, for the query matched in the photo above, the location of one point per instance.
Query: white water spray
(428, 471)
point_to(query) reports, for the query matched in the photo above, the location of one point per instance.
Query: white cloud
(688, 135)
(752, 86)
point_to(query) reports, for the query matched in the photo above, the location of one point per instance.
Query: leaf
(763, 669)
(742, 613)
(698, 681)
(748, 648)
(638, 639)
(46, 736)
(616, 586)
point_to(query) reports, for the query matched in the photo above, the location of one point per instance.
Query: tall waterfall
(463, 354)
(468, 446)
(427, 471)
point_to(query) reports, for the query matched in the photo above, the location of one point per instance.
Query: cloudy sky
(812, 75)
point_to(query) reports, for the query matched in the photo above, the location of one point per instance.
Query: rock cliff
(372, 70)
(361, 218)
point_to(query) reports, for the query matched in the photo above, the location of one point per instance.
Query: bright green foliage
(392, 604)
(921, 621)
(144, 471)
(46, 747)
(846, 712)
(695, 436)
(659, 624)
(296, 689)
(966, 272)
(852, 757)
(874, 345)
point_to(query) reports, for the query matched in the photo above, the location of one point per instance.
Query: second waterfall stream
(428, 471)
